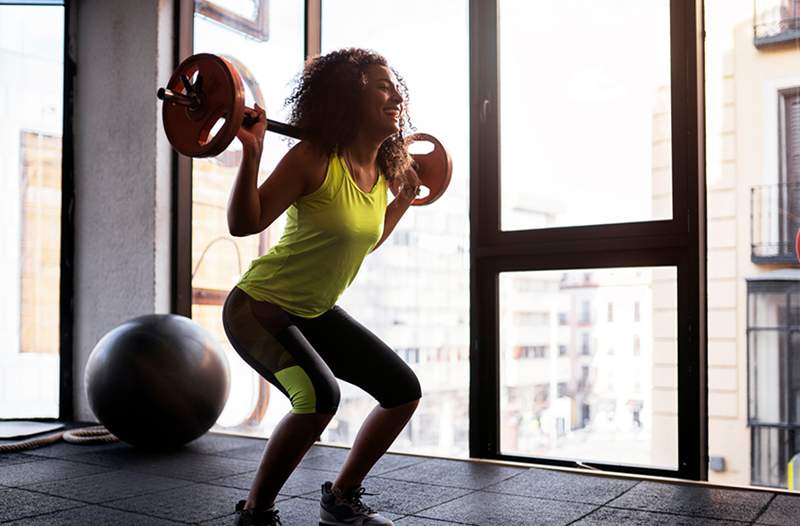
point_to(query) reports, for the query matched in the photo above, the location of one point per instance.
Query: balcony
(774, 220)
(775, 22)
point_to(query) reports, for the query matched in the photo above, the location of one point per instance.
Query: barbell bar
(207, 88)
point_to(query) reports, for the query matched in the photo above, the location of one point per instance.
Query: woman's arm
(251, 209)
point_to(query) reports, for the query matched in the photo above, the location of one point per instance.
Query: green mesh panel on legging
(301, 390)
(267, 356)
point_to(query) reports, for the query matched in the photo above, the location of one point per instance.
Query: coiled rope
(84, 435)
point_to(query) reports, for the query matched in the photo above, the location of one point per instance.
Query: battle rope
(85, 435)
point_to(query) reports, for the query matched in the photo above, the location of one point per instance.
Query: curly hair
(324, 104)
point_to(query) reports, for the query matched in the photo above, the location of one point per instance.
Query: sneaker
(338, 508)
(268, 517)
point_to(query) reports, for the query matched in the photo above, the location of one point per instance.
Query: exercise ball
(157, 381)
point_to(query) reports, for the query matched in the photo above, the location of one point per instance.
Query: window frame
(66, 402)
(181, 293)
(758, 428)
(678, 242)
(66, 315)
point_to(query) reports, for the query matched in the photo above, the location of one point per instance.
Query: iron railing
(774, 221)
(775, 22)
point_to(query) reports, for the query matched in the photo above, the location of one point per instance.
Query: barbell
(204, 107)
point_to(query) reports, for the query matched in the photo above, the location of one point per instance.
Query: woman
(281, 317)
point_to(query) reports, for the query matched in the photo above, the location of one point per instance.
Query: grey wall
(124, 52)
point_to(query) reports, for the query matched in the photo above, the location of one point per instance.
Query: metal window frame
(181, 294)
(679, 242)
(756, 430)
(66, 387)
(66, 313)
(257, 28)
(786, 288)
(780, 38)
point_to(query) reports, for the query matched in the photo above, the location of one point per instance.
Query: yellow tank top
(327, 235)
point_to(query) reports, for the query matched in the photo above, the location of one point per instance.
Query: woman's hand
(252, 136)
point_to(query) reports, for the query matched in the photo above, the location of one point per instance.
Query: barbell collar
(192, 101)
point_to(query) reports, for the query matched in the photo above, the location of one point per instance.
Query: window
(267, 65)
(530, 351)
(404, 238)
(541, 393)
(31, 114)
(585, 350)
(789, 131)
(409, 354)
(426, 271)
(773, 330)
(757, 352)
(636, 312)
(531, 319)
(586, 312)
(605, 238)
(562, 318)
(592, 375)
(534, 174)
(776, 21)
(250, 18)
(610, 312)
(776, 207)
(637, 345)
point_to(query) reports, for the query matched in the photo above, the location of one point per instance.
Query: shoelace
(355, 499)
(258, 517)
(273, 516)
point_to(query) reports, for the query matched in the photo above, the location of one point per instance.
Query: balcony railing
(774, 220)
(775, 22)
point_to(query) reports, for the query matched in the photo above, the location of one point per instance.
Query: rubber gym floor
(116, 484)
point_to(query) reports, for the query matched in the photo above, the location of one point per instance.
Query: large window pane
(218, 259)
(31, 106)
(767, 362)
(585, 133)
(413, 292)
(589, 365)
(752, 179)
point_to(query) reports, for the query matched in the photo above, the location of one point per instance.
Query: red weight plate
(434, 168)
(221, 96)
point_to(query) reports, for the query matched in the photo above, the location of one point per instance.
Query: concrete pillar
(124, 52)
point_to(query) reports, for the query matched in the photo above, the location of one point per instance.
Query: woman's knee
(310, 398)
(404, 394)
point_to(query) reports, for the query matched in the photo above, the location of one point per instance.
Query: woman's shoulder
(312, 161)
(308, 154)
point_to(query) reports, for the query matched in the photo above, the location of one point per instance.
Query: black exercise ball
(157, 381)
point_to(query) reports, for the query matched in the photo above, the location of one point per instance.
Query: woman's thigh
(267, 340)
(357, 356)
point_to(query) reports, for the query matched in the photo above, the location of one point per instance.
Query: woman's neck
(363, 151)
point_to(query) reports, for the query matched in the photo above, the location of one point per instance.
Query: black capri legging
(302, 357)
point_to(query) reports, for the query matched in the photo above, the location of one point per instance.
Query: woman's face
(382, 104)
